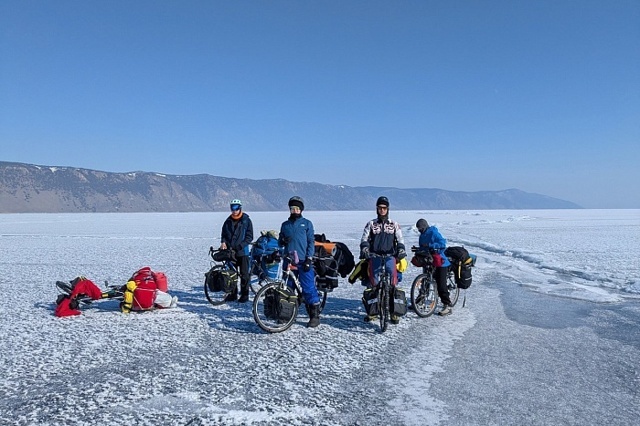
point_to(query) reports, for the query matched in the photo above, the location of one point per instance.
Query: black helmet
(297, 202)
(382, 201)
(422, 225)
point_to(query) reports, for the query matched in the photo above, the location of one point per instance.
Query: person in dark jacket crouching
(297, 238)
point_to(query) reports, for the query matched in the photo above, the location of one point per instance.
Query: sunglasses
(235, 207)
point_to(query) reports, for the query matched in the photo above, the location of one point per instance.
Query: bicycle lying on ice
(277, 302)
(424, 290)
(112, 292)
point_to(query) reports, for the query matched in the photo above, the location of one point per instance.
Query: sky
(542, 96)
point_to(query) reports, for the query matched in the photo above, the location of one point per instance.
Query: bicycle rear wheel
(424, 295)
(323, 299)
(454, 291)
(267, 307)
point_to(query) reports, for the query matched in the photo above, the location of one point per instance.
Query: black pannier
(221, 280)
(399, 302)
(370, 301)
(461, 263)
(279, 304)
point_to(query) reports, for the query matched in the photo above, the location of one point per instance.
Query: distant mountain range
(28, 188)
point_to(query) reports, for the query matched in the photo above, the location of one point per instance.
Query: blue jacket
(431, 240)
(238, 234)
(297, 235)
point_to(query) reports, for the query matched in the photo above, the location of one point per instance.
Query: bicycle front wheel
(255, 283)
(216, 298)
(424, 295)
(383, 300)
(274, 309)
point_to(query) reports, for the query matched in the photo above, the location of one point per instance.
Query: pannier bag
(370, 301)
(221, 280)
(326, 283)
(287, 301)
(399, 302)
(461, 264)
(279, 303)
(271, 304)
(462, 275)
(326, 268)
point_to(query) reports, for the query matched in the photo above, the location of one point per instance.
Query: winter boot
(314, 315)
(244, 292)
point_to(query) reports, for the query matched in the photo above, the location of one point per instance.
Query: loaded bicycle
(222, 278)
(382, 292)
(424, 290)
(277, 302)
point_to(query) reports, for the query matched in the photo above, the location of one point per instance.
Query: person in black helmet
(296, 235)
(237, 235)
(382, 236)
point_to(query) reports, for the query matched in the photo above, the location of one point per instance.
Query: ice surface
(207, 365)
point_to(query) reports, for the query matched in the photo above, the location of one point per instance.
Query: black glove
(364, 253)
(401, 254)
(307, 265)
(284, 240)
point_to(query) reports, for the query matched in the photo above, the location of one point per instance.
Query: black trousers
(440, 275)
(242, 264)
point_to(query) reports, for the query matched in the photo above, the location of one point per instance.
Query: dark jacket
(238, 234)
(297, 235)
(382, 237)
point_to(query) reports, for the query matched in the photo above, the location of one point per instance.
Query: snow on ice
(548, 336)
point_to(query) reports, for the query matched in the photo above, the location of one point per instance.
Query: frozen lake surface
(548, 335)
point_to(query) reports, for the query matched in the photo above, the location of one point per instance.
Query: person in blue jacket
(237, 235)
(431, 241)
(297, 238)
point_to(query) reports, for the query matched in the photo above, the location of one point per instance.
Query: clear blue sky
(543, 96)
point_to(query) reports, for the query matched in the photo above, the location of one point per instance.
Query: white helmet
(235, 201)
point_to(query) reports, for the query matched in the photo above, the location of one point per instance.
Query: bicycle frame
(384, 290)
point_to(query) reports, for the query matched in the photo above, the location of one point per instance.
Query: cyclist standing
(237, 235)
(296, 235)
(382, 236)
(433, 242)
